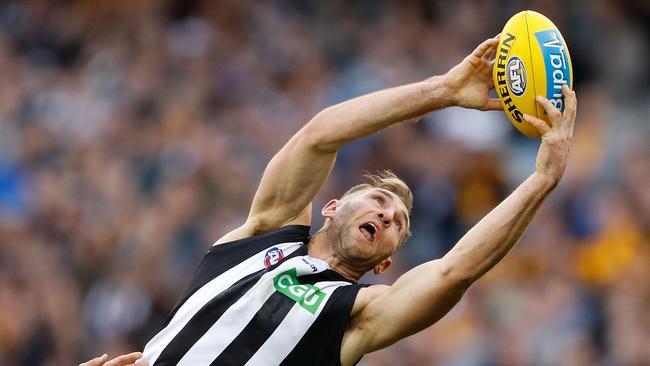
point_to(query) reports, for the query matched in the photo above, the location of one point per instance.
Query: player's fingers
(490, 52)
(541, 126)
(125, 359)
(491, 70)
(493, 104)
(487, 76)
(570, 108)
(570, 100)
(485, 47)
(141, 362)
(575, 111)
(97, 361)
(550, 109)
(494, 41)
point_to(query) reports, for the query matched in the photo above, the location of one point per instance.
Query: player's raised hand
(556, 139)
(131, 359)
(470, 81)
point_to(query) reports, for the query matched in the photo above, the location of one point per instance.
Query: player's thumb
(493, 104)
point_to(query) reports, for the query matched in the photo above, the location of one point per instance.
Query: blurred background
(133, 135)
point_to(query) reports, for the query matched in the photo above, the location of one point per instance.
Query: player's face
(371, 224)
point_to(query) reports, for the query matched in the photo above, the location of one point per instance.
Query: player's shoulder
(365, 296)
(248, 231)
(255, 226)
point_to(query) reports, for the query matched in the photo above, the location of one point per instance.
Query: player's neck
(320, 246)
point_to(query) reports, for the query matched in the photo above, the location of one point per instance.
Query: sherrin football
(531, 59)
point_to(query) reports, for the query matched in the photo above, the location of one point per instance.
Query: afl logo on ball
(516, 76)
(272, 257)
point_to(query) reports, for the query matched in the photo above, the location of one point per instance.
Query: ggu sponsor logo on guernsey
(307, 296)
(502, 79)
(556, 63)
(516, 76)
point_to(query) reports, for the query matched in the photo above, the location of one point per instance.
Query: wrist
(441, 92)
(547, 182)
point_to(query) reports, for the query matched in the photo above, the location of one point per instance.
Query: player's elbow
(318, 134)
(457, 275)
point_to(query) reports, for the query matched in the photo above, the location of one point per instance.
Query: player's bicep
(289, 183)
(415, 301)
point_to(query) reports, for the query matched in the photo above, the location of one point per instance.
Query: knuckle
(550, 108)
(551, 139)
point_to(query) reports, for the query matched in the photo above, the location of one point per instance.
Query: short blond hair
(389, 181)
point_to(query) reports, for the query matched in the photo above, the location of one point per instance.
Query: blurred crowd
(133, 135)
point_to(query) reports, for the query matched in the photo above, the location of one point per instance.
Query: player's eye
(398, 224)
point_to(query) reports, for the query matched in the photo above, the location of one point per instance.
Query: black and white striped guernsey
(258, 301)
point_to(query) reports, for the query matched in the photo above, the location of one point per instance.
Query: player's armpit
(418, 299)
(354, 342)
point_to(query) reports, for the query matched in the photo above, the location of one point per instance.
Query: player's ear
(330, 208)
(382, 266)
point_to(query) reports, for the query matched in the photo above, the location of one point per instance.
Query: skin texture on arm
(423, 295)
(296, 173)
(131, 359)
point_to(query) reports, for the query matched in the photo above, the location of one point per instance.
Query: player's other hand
(556, 139)
(469, 82)
(132, 359)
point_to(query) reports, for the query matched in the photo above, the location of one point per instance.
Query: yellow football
(531, 59)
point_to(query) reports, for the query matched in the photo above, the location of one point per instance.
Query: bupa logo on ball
(272, 257)
(556, 63)
(516, 76)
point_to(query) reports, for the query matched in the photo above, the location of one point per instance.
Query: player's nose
(386, 215)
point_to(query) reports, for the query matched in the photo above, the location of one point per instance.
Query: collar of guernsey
(305, 265)
(310, 265)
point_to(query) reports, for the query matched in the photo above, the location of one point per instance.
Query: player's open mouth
(368, 230)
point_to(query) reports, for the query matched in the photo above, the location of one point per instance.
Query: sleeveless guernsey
(258, 301)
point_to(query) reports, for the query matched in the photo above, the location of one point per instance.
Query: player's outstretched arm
(423, 295)
(296, 173)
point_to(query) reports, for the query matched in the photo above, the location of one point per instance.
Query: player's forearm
(348, 121)
(491, 239)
